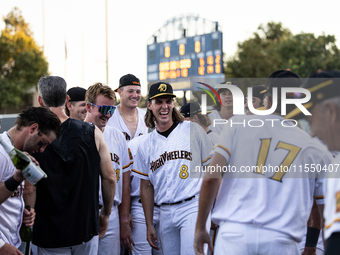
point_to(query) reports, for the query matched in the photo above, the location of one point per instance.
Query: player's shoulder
(141, 111)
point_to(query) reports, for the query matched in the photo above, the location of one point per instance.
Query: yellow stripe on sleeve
(128, 165)
(224, 148)
(329, 225)
(133, 170)
(206, 159)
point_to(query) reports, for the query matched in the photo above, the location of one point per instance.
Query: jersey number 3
(293, 151)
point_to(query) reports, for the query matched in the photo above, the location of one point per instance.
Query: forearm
(29, 194)
(207, 197)
(8, 187)
(147, 197)
(108, 193)
(124, 208)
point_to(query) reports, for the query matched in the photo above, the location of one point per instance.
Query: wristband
(11, 184)
(2, 243)
(312, 237)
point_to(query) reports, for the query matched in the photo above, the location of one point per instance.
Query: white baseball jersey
(121, 159)
(272, 199)
(135, 181)
(214, 138)
(170, 162)
(117, 122)
(11, 211)
(332, 201)
(216, 128)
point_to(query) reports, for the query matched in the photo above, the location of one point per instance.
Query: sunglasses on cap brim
(105, 109)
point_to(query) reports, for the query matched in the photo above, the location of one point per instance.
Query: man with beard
(34, 129)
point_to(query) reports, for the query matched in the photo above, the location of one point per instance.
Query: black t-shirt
(67, 200)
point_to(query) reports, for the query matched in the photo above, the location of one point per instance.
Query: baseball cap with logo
(76, 94)
(128, 80)
(191, 109)
(322, 85)
(160, 89)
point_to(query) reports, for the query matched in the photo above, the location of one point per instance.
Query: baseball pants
(142, 246)
(110, 242)
(177, 227)
(249, 239)
(88, 248)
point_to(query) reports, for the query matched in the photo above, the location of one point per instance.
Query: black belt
(100, 207)
(140, 201)
(179, 202)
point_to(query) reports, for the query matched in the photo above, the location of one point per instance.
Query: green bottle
(26, 237)
(21, 161)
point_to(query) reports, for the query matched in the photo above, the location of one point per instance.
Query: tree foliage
(273, 47)
(21, 61)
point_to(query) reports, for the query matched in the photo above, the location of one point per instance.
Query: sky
(81, 26)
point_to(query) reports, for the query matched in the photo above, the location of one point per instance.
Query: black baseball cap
(76, 94)
(322, 85)
(160, 89)
(220, 90)
(127, 80)
(259, 91)
(190, 109)
(283, 78)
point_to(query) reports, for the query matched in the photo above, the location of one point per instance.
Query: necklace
(10, 138)
(131, 121)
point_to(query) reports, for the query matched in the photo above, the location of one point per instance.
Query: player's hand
(309, 251)
(152, 237)
(125, 233)
(103, 224)
(202, 237)
(131, 221)
(28, 217)
(8, 249)
(18, 176)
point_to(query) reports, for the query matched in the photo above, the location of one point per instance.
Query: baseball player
(100, 106)
(192, 112)
(172, 152)
(138, 232)
(129, 119)
(257, 100)
(266, 213)
(224, 111)
(75, 107)
(324, 123)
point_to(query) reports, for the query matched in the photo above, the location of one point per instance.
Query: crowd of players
(123, 181)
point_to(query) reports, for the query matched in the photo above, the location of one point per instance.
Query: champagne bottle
(26, 237)
(21, 161)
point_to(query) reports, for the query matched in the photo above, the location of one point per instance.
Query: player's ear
(34, 127)
(148, 104)
(88, 107)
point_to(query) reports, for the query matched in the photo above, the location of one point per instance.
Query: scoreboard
(196, 56)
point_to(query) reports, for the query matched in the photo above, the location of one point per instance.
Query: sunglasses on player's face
(105, 109)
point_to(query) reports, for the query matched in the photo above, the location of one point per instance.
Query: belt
(179, 202)
(140, 201)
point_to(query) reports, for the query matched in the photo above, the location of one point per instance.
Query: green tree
(274, 47)
(21, 62)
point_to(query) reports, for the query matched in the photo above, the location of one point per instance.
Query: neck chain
(10, 138)
(131, 121)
